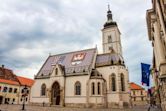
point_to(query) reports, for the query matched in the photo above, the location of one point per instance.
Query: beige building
(138, 95)
(11, 87)
(9, 92)
(156, 22)
(85, 78)
(28, 83)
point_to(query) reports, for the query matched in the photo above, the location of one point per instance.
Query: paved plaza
(40, 108)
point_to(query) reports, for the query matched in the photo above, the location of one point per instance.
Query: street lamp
(24, 94)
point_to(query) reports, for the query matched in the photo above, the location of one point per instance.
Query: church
(85, 78)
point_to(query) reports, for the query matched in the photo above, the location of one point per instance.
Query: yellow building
(11, 87)
(138, 94)
(9, 91)
(156, 23)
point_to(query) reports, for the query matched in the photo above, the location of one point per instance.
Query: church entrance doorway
(56, 94)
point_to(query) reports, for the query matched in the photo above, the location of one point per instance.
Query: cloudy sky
(31, 29)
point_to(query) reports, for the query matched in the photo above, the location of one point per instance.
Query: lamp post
(25, 89)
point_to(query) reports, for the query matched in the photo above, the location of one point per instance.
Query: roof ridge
(72, 52)
(25, 77)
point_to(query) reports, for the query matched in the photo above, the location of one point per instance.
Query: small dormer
(58, 70)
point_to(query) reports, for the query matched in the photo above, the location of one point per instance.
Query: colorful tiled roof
(9, 82)
(135, 86)
(25, 81)
(109, 59)
(78, 61)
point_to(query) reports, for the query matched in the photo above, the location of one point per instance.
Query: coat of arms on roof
(78, 58)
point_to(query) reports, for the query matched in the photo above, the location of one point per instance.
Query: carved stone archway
(55, 93)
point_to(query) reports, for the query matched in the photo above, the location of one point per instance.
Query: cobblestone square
(40, 108)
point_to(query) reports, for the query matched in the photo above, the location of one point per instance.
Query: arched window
(99, 88)
(93, 88)
(113, 82)
(77, 88)
(56, 71)
(109, 39)
(122, 82)
(43, 90)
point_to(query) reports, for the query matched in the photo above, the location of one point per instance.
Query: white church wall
(96, 98)
(70, 96)
(117, 70)
(36, 91)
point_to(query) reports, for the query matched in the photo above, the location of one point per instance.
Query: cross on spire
(108, 7)
(109, 13)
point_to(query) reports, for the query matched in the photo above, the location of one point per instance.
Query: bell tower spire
(111, 40)
(109, 14)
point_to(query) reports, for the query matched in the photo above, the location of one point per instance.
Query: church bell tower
(111, 35)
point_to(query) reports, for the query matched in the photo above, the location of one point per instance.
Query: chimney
(3, 66)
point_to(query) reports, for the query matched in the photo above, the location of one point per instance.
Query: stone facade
(156, 22)
(85, 78)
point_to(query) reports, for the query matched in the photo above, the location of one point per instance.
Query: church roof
(109, 59)
(109, 24)
(74, 62)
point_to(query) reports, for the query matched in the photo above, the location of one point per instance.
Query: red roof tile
(135, 86)
(25, 81)
(9, 82)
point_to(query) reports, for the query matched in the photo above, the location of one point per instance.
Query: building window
(77, 88)
(133, 92)
(10, 90)
(122, 82)
(0, 88)
(113, 82)
(110, 49)
(134, 99)
(93, 88)
(13, 99)
(43, 90)
(21, 99)
(22, 91)
(5, 89)
(56, 71)
(15, 90)
(109, 39)
(99, 88)
(141, 93)
(27, 91)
